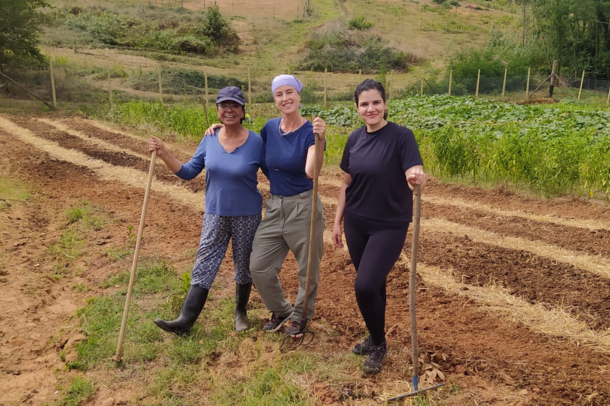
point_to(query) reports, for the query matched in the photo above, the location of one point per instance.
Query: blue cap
(231, 93)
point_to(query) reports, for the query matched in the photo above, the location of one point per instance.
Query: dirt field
(513, 292)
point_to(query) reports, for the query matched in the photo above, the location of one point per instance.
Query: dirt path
(513, 292)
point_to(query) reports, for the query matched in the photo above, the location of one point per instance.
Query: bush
(148, 28)
(359, 23)
(340, 51)
(500, 53)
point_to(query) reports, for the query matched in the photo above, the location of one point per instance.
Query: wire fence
(66, 86)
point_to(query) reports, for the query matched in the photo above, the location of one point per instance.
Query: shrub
(359, 23)
(341, 51)
(148, 28)
(500, 53)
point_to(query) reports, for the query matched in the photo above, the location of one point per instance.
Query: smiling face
(371, 107)
(230, 112)
(287, 99)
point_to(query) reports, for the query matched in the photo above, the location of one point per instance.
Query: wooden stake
(421, 84)
(527, 86)
(205, 100)
(249, 88)
(582, 80)
(504, 84)
(207, 94)
(450, 80)
(52, 82)
(391, 84)
(476, 93)
(325, 86)
(359, 76)
(160, 86)
(553, 76)
(109, 89)
(608, 99)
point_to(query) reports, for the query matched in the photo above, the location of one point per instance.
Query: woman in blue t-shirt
(232, 207)
(289, 165)
(382, 165)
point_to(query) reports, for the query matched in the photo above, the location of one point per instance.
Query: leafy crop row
(555, 150)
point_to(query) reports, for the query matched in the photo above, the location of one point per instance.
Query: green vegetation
(344, 51)
(181, 81)
(20, 22)
(79, 391)
(144, 27)
(11, 192)
(553, 150)
(182, 370)
(81, 221)
(575, 32)
(359, 23)
(500, 53)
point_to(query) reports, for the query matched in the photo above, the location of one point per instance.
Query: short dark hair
(370, 84)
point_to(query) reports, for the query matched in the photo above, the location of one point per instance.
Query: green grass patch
(11, 192)
(81, 220)
(80, 390)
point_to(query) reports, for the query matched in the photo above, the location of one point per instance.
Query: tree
(216, 28)
(20, 22)
(575, 32)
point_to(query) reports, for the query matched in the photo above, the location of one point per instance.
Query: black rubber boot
(242, 295)
(193, 304)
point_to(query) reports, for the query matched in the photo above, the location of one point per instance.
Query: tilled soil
(493, 356)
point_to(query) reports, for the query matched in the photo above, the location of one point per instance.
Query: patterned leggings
(215, 235)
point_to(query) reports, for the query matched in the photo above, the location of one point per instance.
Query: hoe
(415, 378)
(305, 336)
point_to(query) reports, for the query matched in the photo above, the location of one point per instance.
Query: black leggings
(374, 248)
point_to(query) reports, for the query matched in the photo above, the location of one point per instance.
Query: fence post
(527, 86)
(52, 82)
(207, 94)
(476, 94)
(109, 89)
(608, 99)
(504, 84)
(249, 88)
(421, 84)
(391, 84)
(553, 74)
(582, 79)
(450, 80)
(359, 76)
(160, 86)
(325, 87)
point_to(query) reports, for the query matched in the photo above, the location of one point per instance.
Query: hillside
(274, 34)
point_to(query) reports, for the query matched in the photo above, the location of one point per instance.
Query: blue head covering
(289, 80)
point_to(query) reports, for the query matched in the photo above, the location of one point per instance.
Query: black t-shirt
(377, 163)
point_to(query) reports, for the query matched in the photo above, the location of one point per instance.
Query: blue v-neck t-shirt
(377, 163)
(285, 157)
(231, 182)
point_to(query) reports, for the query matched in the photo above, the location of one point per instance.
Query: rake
(415, 378)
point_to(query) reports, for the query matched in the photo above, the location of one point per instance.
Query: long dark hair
(370, 84)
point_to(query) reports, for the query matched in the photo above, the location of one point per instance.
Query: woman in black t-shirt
(382, 165)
